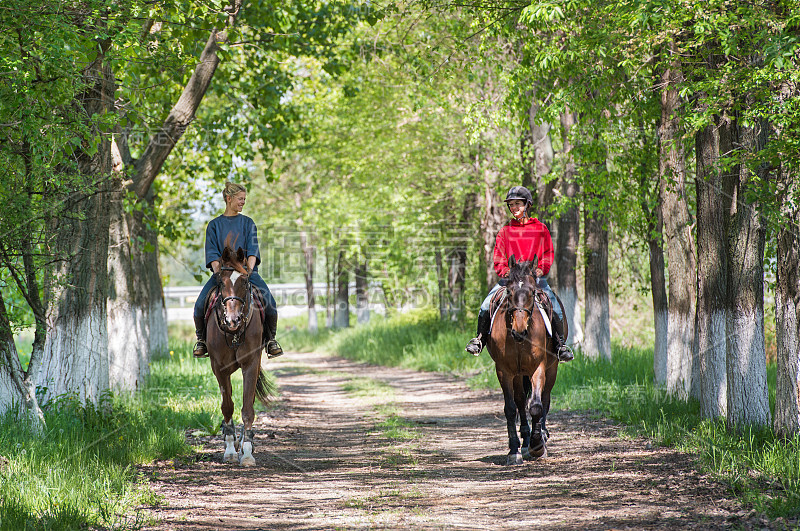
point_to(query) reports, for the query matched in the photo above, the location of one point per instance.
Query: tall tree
(787, 305)
(677, 232)
(597, 340)
(76, 350)
(748, 395)
(712, 271)
(567, 241)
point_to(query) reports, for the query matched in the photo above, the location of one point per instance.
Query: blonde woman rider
(243, 233)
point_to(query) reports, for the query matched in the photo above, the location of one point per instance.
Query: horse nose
(519, 337)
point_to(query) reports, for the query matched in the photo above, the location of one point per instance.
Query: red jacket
(523, 240)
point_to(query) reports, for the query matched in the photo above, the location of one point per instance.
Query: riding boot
(563, 352)
(200, 348)
(271, 346)
(476, 344)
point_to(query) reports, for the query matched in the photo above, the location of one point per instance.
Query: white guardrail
(291, 299)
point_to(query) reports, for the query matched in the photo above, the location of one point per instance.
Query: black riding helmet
(521, 193)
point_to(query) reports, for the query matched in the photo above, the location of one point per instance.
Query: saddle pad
(211, 300)
(494, 305)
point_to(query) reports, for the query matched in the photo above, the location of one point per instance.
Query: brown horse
(525, 360)
(234, 334)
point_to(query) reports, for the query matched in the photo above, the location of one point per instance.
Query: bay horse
(234, 339)
(525, 360)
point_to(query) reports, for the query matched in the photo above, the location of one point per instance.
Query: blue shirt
(242, 231)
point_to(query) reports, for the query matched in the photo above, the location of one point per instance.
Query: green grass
(82, 472)
(761, 468)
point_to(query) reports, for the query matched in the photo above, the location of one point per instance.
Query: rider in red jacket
(524, 238)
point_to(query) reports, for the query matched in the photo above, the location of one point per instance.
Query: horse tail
(265, 387)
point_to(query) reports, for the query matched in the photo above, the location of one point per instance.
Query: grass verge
(82, 472)
(762, 469)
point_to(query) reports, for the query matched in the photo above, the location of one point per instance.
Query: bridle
(233, 337)
(511, 310)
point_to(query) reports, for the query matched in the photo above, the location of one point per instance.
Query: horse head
(234, 282)
(521, 290)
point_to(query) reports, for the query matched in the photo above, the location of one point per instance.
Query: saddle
(541, 298)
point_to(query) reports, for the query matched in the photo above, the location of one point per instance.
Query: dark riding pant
(269, 300)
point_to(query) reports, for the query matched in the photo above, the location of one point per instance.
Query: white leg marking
(247, 454)
(231, 455)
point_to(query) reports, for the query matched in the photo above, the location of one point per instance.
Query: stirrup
(565, 354)
(273, 349)
(474, 347)
(200, 349)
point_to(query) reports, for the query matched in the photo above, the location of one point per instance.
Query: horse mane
(233, 262)
(520, 272)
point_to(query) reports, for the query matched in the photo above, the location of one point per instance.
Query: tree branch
(182, 114)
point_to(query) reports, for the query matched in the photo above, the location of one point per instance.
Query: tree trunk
(440, 283)
(329, 289)
(598, 332)
(538, 156)
(455, 261)
(712, 272)
(681, 266)
(341, 312)
(137, 320)
(456, 277)
(76, 351)
(787, 304)
(17, 389)
(493, 216)
(308, 273)
(748, 395)
(655, 241)
(568, 238)
(362, 293)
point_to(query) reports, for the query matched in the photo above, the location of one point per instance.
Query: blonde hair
(231, 189)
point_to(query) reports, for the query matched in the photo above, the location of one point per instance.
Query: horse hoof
(514, 459)
(247, 458)
(539, 452)
(526, 453)
(232, 457)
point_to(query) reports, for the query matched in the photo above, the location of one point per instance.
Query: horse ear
(512, 261)
(226, 254)
(534, 263)
(240, 255)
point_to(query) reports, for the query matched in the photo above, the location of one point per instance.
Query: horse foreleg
(249, 377)
(510, 410)
(228, 429)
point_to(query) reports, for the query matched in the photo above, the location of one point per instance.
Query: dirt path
(322, 463)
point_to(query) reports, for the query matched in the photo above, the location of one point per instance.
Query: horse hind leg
(522, 392)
